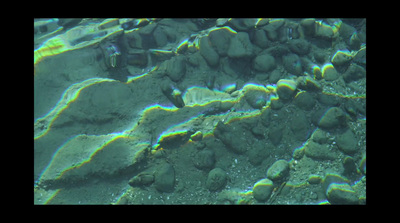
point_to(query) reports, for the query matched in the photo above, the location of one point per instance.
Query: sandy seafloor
(200, 111)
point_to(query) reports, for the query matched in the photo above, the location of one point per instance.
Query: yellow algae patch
(42, 125)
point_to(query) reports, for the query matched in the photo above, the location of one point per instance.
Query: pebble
(262, 190)
(278, 171)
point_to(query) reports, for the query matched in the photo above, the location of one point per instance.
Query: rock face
(164, 178)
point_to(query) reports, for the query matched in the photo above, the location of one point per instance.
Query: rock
(208, 53)
(197, 136)
(164, 178)
(260, 39)
(240, 46)
(173, 94)
(275, 76)
(262, 190)
(292, 64)
(220, 40)
(304, 100)
(160, 37)
(230, 138)
(278, 171)
(333, 118)
(349, 166)
(137, 58)
(256, 98)
(176, 68)
(324, 31)
(275, 135)
(216, 179)
(299, 46)
(285, 89)
(341, 57)
(341, 193)
(347, 142)
(241, 24)
(318, 151)
(273, 28)
(258, 153)
(314, 179)
(354, 72)
(264, 63)
(319, 136)
(329, 72)
(142, 179)
(204, 159)
(308, 26)
(300, 126)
